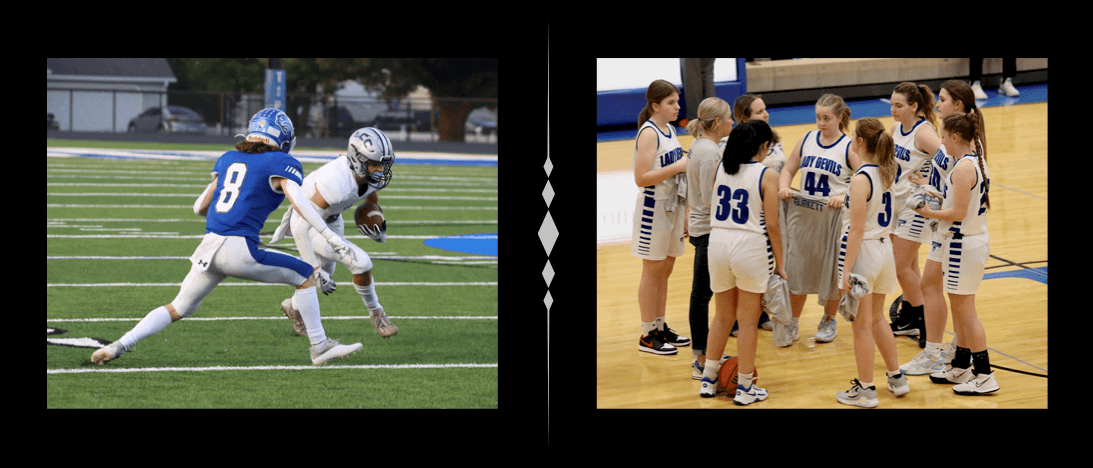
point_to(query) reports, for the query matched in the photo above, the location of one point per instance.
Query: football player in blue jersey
(248, 184)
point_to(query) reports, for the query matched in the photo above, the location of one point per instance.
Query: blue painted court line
(1035, 274)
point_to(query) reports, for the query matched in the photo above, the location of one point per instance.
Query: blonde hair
(880, 144)
(658, 91)
(708, 112)
(838, 106)
(969, 127)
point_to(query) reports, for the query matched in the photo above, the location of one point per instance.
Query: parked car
(174, 119)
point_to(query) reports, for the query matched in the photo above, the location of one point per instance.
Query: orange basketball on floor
(726, 377)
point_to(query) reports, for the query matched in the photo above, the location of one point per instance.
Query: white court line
(240, 368)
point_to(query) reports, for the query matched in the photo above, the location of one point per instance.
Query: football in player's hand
(369, 215)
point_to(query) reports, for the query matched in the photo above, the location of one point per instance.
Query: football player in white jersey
(867, 251)
(331, 189)
(960, 249)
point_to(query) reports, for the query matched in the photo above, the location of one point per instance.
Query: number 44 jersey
(246, 193)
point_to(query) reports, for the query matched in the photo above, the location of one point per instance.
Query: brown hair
(254, 147)
(967, 127)
(741, 111)
(658, 91)
(838, 106)
(960, 91)
(921, 95)
(880, 144)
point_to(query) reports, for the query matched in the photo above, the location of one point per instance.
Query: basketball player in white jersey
(916, 142)
(826, 164)
(866, 251)
(659, 214)
(331, 189)
(745, 249)
(960, 249)
(955, 96)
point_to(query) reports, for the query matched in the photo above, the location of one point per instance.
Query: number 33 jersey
(245, 192)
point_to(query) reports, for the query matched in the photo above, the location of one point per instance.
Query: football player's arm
(201, 205)
(299, 201)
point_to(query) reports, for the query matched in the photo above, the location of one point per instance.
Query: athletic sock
(156, 320)
(368, 295)
(982, 363)
(963, 358)
(306, 301)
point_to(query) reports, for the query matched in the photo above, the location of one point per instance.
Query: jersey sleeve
(289, 168)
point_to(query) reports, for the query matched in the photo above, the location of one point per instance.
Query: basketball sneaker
(923, 364)
(826, 331)
(654, 343)
(898, 385)
(981, 384)
(952, 375)
(747, 396)
(671, 337)
(709, 388)
(858, 396)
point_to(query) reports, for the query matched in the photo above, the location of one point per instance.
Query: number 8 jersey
(245, 192)
(737, 201)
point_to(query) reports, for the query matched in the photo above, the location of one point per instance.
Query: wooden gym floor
(1011, 302)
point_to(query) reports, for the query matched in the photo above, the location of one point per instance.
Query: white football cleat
(107, 353)
(331, 349)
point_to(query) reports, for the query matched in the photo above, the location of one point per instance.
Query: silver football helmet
(370, 144)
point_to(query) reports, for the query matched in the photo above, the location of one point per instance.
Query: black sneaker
(653, 343)
(669, 336)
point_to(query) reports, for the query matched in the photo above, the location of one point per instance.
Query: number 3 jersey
(245, 192)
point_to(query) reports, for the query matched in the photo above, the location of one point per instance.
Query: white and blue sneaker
(747, 396)
(826, 331)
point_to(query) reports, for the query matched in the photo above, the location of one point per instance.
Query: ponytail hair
(880, 144)
(838, 106)
(708, 112)
(921, 95)
(744, 143)
(970, 129)
(658, 90)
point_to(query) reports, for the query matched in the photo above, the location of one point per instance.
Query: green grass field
(119, 235)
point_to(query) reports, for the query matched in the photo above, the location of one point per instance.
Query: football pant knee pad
(361, 261)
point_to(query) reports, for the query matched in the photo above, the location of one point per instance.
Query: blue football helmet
(371, 145)
(272, 127)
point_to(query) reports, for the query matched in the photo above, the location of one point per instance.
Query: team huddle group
(869, 199)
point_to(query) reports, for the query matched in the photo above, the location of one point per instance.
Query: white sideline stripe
(335, 317)
(109, 285)
(219, 368)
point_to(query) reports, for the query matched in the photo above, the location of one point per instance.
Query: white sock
(659, 321)
(933, 349)
(744, 379)
(368, 294)
(647, 327)
(306, 301)
(156, 320)
(713, 366)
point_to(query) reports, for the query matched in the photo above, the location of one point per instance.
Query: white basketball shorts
(739, 259)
